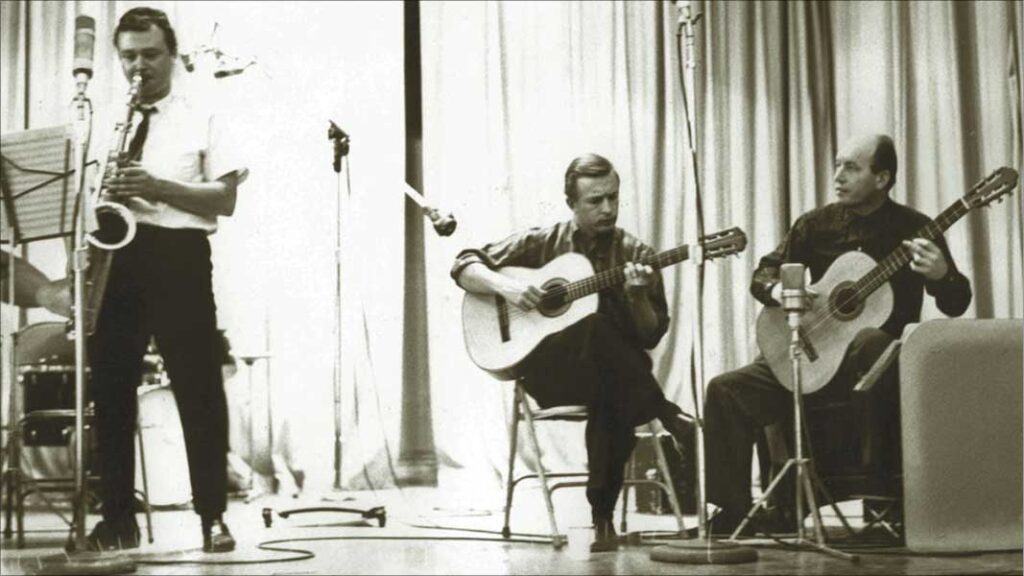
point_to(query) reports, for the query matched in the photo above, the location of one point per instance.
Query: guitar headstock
(724, 243)
(991, 188)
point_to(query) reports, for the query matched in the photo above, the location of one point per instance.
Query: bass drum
(164, 443)
(44, 360)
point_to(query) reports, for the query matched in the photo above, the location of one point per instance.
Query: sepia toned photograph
(512, 287)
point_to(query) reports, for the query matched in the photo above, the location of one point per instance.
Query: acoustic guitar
(854, 294)
(499, 335)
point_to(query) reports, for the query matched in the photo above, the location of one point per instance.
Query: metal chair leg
(531, 433)
(670, 487)
(510, 484)
(19, 514)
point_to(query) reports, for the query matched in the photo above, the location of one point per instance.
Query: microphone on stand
(686, 25)
(226, 69)
(85, 39)
(794, 291)
(341, 143)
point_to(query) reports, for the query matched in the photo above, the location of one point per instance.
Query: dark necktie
(139, 140)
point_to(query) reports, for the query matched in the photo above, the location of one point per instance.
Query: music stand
(38, 195)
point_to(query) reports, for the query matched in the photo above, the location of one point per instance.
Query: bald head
(865, 171)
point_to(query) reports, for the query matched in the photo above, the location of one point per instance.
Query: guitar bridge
(503, 318)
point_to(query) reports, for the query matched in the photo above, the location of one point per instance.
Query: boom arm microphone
(85, 39)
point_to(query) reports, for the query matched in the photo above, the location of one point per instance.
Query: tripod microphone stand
(794, 302)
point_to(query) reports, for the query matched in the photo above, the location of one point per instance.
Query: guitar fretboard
(899, 258)
(617, 275)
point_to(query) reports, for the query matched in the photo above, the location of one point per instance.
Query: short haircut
(884, 158)
(141, 19)
(586, 166)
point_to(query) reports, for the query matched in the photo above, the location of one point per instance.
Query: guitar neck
(899, 258)
(617, 275)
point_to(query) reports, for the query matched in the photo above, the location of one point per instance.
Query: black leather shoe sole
(219, 543)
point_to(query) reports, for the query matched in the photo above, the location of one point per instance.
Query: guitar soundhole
(555, 301)
(845, 302)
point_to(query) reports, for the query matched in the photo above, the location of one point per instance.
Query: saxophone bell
(115, 226)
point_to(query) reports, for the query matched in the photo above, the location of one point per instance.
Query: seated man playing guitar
(864, 219)
(601, 360)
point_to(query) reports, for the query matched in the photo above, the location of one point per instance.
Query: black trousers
(739, 403)
(160, 285)
(592, 364)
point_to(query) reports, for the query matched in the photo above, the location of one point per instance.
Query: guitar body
(499, 335)
(825, 341)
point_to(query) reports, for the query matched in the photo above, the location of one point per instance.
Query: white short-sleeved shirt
(184, 143)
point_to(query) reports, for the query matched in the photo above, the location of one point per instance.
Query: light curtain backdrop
(512, 91)
(274, 259)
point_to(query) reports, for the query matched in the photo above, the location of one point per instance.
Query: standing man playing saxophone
(179, 179)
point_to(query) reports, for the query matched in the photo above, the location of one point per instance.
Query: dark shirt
(538, 246)
(820, 236)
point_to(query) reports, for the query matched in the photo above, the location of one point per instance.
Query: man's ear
(884, 178)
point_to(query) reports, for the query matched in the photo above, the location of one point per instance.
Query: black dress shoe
(605, 538)
(217, 537)
(122, 534)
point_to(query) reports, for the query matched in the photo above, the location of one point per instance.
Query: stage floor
(409, 545)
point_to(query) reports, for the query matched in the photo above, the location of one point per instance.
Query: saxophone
(115, 222)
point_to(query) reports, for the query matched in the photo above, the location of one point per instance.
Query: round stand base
(703, 552)
(80, 563)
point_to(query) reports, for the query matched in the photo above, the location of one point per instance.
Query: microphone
(794, 292)
(85, 39)
(686, 24)
(341, 143)
(226, 68)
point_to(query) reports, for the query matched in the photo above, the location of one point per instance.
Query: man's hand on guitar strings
(524, 297)
(926, 259)
(638, 275)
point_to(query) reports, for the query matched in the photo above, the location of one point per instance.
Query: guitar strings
(890, 265)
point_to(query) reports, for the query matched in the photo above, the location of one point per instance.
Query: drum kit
(42, 417)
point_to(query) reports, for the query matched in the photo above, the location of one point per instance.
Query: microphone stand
(341, 144)
(80, 560)
(795, 303)
(686, 27)
(703, 550)
(83, 134)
